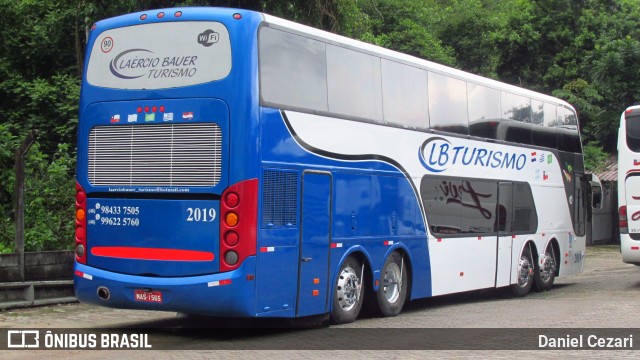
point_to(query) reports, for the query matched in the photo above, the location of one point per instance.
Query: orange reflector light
(316, 281)
(177, 14)
(80, 215)
(143, 17)
(237, 16)
(316, 292)
(160, 15)
(231, 219)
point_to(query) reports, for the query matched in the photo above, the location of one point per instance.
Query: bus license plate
(148, 296)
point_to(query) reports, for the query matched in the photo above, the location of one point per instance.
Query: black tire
(392, 293)
(545, 271)
(525, 276)
(348, 292)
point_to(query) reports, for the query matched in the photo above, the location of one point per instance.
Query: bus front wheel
(348, 292)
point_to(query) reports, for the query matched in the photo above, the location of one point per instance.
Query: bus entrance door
(315, 238)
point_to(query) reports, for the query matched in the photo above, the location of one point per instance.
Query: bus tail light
(622, 220)
(80, 247)
(239, 223)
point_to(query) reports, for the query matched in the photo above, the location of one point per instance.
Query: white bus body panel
(460, 263)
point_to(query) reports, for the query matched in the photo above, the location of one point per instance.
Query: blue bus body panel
(153, 237)
(373, 203)
(191, 295)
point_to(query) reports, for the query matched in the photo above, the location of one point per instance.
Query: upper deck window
(160, 55)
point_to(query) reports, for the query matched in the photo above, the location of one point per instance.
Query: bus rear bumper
(630, 249)
(228, 294)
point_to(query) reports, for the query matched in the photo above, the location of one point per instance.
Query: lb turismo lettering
(437, 154)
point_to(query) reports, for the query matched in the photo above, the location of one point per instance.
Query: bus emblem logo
(208, 38)
(437, 154)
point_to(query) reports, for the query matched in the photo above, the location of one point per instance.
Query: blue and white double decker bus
(231, 163)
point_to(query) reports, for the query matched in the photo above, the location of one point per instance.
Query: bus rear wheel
(524, 282)
(392, 293)
(348, 292)
(546, 271)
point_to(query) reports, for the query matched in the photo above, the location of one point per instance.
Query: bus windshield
(633, 132)
(160, 55)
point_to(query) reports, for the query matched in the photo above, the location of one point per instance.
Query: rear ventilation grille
(155, 155)
(279, 198)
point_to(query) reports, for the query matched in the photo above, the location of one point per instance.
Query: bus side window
(580, 204)
(596, 196)
(504, 207)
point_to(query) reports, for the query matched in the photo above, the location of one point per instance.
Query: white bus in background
(629, 184)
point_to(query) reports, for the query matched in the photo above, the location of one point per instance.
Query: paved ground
(604, 296)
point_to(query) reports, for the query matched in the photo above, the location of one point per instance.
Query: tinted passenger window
(469, 207)
(404, 91)
(484, 111)
(448, 104)
(292, 70)
(516, 114)
(544, 124)
(458, 206)
(525, 219)
(354, 83)
(568, 135)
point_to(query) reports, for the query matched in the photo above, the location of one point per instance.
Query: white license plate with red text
(147, 296)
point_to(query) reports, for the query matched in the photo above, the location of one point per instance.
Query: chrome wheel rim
(524, 271)
(547, 267)
(392, 283)
(347, 289)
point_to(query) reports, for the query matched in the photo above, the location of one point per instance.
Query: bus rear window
(633, 132)
(160, 55)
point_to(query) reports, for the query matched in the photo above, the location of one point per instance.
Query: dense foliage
(583, 51)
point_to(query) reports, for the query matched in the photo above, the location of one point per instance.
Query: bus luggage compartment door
(315, 238)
